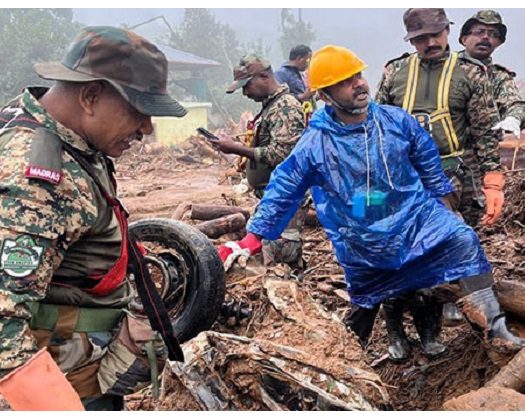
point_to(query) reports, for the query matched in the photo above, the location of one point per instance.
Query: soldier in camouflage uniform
(481, 35)
(451, 96)
(63, 249)
(277, 128)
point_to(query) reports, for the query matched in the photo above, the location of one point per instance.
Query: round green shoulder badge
(20, 257)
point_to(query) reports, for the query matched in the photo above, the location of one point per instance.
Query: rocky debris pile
(148, 155)
(289, 355)
(282, 312)
(504, 242)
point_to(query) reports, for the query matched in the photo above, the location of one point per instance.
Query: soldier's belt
(76, 319)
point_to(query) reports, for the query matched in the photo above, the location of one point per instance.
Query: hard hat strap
(336, 104)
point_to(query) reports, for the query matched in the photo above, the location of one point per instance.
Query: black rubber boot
(482, 309)
(360, 320)
(399, 347)
(428, 315)
(452, 315)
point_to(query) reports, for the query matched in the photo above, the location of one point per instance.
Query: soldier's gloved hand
(39, 385)
(510, 124)
(250, 245)
(493, 183)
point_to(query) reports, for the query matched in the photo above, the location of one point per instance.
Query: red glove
(224, 252)
(248, 246)
(493, 183)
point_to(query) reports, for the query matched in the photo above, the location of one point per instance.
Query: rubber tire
(203, 303)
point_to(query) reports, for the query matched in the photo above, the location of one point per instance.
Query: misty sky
(376, 35)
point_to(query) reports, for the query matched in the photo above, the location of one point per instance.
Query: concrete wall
(169, 130)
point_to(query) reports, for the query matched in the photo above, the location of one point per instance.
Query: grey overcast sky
(376, 35)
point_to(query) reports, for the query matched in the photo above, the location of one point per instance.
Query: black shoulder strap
(151, 300)
(45, 157)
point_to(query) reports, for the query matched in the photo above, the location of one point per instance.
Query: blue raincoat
(375, 186)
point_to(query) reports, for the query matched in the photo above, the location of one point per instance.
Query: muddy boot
(399, 347)
(482, 309)
(452, 315)
(360, 320)
(427, 316)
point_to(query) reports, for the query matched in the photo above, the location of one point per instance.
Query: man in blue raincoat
(378, 188)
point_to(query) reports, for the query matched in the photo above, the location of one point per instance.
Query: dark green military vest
(258, 173)
(436, 92)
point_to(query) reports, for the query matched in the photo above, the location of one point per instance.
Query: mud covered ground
(154, 181)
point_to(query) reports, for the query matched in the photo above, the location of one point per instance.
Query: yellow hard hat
(332, 64)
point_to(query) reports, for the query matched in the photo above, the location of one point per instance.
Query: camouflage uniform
(277, 128)
(473, 114)
(53, 220)
(277, 131)
(508, 101)
(62, 230)
(506, 93)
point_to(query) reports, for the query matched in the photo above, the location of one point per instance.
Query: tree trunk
(511, 295)
(227, 224)
(211, 212)
(511, 375)
(181, 210)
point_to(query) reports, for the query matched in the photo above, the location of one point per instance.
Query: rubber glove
(493, 183)
(230, 251)
(39, 385)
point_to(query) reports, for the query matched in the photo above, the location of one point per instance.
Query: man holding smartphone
(275, 130)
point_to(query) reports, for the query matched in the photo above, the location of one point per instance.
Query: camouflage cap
(250, 65)
(486, 17)
(133, 65)
(424, 22)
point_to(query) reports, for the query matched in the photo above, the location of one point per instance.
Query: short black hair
(299, 51)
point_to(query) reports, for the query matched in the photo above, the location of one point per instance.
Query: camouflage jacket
(279, 126)
(48, 230)
(471, 102)
(506, 92)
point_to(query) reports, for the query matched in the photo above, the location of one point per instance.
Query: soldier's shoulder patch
(505, 69)
(45, 158)
(401, 57)
(20, 257)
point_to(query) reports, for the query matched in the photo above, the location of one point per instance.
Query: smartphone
(207, 134)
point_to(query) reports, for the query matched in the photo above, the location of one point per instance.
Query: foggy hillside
(374, 34)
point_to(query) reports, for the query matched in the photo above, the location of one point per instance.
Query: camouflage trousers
(102, 366)
(288, 248)
(465, 176)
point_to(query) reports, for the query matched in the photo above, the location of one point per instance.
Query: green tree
(200, 33)
(28, 36)
(294, 31)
